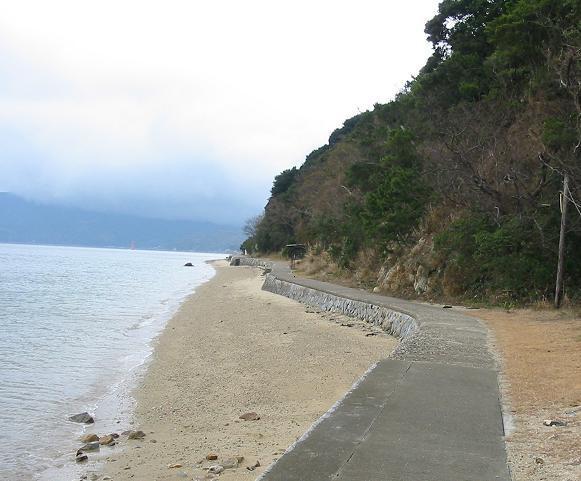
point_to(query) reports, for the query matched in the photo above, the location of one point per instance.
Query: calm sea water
(76, 326)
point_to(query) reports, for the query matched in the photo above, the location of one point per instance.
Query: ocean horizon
(77, 325)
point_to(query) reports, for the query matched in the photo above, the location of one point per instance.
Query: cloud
(200, 103)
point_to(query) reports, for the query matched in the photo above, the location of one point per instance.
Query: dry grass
(541, 356)
(320, 267)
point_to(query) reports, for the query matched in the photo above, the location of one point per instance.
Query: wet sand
(231, 349)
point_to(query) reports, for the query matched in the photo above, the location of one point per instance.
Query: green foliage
(559, 135)
(393, 200)
(348, 127)
(459, 25)
(283, 181)
(397, 199)
(509, 257)
(249, 246)
(393, 208)
(524, 34)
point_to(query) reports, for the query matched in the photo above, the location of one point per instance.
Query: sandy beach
(232, 349)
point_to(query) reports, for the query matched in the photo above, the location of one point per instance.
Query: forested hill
(453, 189)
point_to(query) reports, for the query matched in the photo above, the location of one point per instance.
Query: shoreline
(230, 349)
(78, 323)
(112, 404)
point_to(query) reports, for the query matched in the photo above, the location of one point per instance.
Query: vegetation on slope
(454, 187)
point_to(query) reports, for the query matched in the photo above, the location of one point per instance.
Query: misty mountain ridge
(26, 222)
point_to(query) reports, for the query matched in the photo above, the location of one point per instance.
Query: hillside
(453, 189)
(22, 221)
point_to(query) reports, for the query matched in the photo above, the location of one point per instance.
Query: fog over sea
(76, 327)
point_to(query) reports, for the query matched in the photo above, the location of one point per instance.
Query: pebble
(554, 422)
(175, 465)
(252, 416)
(135, 435)
(230, 463)
(254, 466)
(89, 438)
(211, 456)
(216, 469)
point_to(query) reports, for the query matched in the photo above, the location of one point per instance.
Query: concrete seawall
(426, 332)
(394, 323)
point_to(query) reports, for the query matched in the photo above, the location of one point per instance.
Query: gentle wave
(76, 325)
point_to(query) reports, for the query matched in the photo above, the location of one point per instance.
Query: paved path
(431, 412)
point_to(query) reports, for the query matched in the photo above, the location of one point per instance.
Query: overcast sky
(187, 109)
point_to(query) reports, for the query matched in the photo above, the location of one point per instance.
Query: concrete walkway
(430, 412)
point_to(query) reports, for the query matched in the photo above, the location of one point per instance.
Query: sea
(77, 327)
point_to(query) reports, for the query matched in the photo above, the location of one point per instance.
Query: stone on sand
(252, 416)
(216, 469)
(230, 463)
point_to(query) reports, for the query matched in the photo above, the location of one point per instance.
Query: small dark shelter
(294, 252)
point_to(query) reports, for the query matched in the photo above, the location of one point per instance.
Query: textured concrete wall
(393, 322)
(249, 261)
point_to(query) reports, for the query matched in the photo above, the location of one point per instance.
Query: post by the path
(561, 262)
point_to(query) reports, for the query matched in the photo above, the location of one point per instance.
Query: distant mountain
(22, 221)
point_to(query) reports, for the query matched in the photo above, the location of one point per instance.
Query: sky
(188, 109)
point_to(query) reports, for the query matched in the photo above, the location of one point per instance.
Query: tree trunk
(561, 263)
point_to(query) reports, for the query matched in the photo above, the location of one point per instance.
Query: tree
(283, 181)
(251, 225)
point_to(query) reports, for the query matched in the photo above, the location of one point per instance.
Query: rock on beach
(136, 435)
(83, 418)
(91, 446)
(250, 416)
(81, 457)
(106, 440)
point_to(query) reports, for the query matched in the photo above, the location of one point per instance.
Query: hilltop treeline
(453, 188)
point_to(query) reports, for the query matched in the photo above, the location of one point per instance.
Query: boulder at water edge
(89, 438)
(84, 418)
